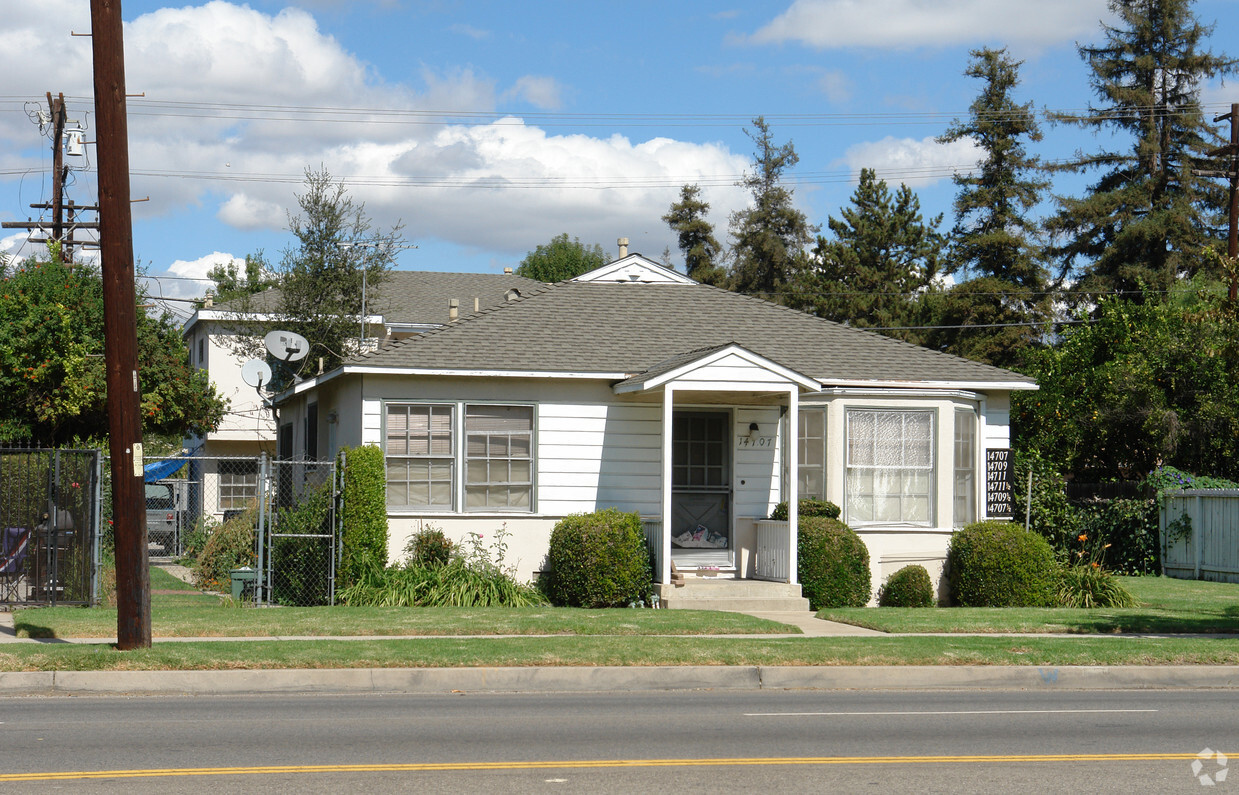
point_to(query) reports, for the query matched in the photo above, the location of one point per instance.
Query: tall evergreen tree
(687, 218)
(1147, 216)
(771, 236)
(994, 244)
(873, 272)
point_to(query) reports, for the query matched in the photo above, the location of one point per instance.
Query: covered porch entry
(728, 455)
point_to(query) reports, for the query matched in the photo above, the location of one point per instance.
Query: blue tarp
(158, 470)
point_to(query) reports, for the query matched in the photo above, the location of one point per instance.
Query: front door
(701, 489)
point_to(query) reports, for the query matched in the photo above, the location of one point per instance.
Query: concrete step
(737, 595)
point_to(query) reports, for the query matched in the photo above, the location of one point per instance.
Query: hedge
(597, 560)
(832, 564)
(364, 513)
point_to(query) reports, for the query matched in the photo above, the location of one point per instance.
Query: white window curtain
(890, 467)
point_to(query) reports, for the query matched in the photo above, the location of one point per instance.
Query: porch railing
(654, 543)
(773, 551)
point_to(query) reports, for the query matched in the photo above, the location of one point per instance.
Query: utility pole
(1232, 173)
(133, 583)
(58, 206)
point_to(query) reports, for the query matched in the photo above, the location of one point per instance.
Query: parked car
(166, 514)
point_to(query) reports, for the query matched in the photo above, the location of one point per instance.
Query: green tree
(872, 272)
(993, 317)
(1140, 385)
(771, 236)
(1147, 216)
(320, 281)
(231, 282)
(52, 368)
(561, 259)
(687, 218)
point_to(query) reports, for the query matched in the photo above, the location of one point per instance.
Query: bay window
(890, 467)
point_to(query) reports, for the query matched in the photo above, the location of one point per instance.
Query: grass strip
(1166, 605)
(174, 616)
(620, 651)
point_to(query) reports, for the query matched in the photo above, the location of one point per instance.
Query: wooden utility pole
(59, 172)
(1232, 173)
(133, 579)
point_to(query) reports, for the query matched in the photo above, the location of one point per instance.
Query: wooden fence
(1200, 534)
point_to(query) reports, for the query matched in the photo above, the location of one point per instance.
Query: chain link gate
(49, 526)
(286, 509)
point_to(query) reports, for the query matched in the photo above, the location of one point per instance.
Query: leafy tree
(231, 283)
(771, 235)
(881, 257)
(687, 218)
(992, 318)
(320, 280)
(52, 371)
(1146, 217)
(1141, 385)
(561, 259)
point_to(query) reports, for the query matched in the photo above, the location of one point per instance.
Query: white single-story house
(635, 387)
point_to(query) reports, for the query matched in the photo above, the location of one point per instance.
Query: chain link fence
(265, 529)
(49, 526)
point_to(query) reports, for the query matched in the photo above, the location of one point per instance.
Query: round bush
(807, 507)
(1000, 564)
(908, 587)
(429, 548)
(832, 563)
(597, 560)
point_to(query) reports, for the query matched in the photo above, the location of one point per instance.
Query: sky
(488, 128)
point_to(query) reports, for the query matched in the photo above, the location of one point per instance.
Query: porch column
(668, 405)
(793, 480)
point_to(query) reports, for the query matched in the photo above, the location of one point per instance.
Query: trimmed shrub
(808, 507)
(229, 546)
(364, 514)
(429, 548)
(832, 564)
(597, 560)
(1000, 564)
(908, 587)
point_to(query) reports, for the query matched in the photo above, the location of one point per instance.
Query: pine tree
(994, 242)
(882, 256)
(1147, 216)
(771, 236)
(687, 218)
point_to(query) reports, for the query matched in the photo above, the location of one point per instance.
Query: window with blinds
(890, 467)
(418, 444)
(498, 458)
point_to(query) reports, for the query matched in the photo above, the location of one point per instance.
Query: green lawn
(187, 613)
(1166, 605)
(439, 652)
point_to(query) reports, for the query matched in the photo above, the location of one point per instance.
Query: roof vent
(453, 309)
(507, 271)
(623, 247)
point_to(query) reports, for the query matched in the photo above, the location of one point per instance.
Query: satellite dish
(256, 373)
(287, 346)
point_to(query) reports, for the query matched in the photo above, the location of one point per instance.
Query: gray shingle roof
(420, 296)
(629, 328)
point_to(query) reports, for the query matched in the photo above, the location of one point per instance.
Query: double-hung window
(419, 456)
(890, 466)
(498, 457)
(811, 457)
(965, 467)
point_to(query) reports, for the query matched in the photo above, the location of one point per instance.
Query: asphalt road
(695, 741)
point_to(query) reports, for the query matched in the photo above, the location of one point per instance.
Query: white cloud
(835, 85)
(916, 162)
(541, 92)
(245, 164)
(198, 269)
(477, 34)
(828, 24)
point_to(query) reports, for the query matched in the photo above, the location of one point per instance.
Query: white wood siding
(729, 373)
(997, 425)
(598, 456)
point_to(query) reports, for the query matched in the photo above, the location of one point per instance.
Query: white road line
(945, 712)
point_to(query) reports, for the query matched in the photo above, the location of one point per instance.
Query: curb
(617, 679)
